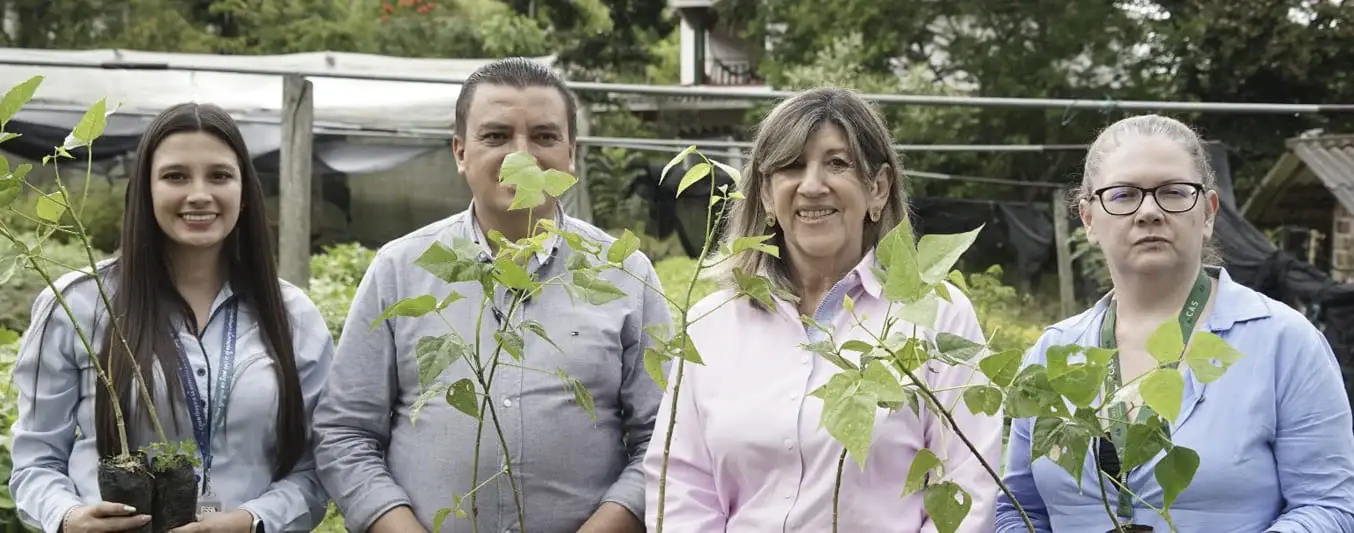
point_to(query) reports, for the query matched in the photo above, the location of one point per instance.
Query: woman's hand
(239, 521)
(104, 517)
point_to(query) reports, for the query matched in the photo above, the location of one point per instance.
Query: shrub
(17, 292)
(334, 276)
(9, 411)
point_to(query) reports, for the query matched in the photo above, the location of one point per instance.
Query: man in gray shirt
(389, 474)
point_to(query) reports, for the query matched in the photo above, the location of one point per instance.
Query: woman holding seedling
(753, 448)
(237, 358)
(1226, 410)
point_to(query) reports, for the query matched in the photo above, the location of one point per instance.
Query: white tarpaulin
(359, 103)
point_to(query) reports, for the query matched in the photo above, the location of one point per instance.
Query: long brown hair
(145, 298)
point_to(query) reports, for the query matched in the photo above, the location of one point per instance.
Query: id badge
(208, 503)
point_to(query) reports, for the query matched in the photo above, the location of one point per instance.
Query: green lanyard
(1189, 318)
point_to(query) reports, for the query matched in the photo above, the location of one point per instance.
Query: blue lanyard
(198, 411)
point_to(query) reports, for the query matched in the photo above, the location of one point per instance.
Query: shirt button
(789, 445)
(794, 397)
(804, 359)
(201, 371)
(507, 402)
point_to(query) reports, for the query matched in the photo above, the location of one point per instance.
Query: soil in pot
(126, 479)
(175, 493)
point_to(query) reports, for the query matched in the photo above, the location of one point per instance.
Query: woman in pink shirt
(749, 453)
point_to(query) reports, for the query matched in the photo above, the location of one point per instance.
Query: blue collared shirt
(1274, 435)
(55, 469)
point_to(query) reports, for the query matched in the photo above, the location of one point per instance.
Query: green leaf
(1142, 443)
(556, 182)
(693, 175)
(946, 504)
(1065, 442)
(594, 289)
(9, 337)
(581, 395)
(1163, 390)
(441, 516)
(91, 125)
(882, 384)
(521, 170)
(511, 342)
(857, 346)
(453, 264)
(451, 298)
(849, 413)
(925, 463)
(681, 156)
(733, 172)
(755, 287)
(539, 330)
(456, 500)
(16, 97)
(512, 275)
(51, 207)
(1030, 395)
(902, 273)
(461, 395)
(435, 354)
(754, 242)
(654, 359)
(1209, 356)
(984, 399)
(424, 397)
(1079, 382)
(623, 247)
(1166, 343)
(1001, 367)
(921, 312)
(937, 254)
(6, 136)
(957, 279)
(1174, 472)
(827, 351)
(682, 346)
(413, 307)
(957, 347)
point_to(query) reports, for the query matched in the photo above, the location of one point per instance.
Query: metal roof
(1328, 159)
(1331, 159)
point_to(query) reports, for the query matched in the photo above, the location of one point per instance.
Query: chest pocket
(585, 345)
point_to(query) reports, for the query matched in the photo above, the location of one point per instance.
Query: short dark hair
(518, 72)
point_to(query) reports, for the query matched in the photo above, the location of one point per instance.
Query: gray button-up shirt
(373, 458)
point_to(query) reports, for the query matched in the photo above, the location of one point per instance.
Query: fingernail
(128, 509)
(144, 518)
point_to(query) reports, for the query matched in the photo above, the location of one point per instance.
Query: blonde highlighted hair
(780, 141)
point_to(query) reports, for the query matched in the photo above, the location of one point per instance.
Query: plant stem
(837, 490)
(139, 378)
(931, 397)
(681, 361)
(89, 348)
(476, 368)
(1105, 499)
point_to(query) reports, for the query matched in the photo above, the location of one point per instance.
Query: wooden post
(294, 201)
(1061, 242)
(577, 202)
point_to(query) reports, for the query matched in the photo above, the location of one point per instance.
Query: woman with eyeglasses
(1273, 434)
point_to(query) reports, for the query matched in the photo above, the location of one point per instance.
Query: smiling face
(1168, 229)
(195, 189)
(505, 119)
(820, 200)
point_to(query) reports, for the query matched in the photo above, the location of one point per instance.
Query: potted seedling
(129, 477)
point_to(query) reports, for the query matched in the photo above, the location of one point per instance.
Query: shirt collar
(1235, 303)
(550, 245)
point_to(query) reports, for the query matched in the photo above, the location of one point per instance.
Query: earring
(770, 220)
(874, 214)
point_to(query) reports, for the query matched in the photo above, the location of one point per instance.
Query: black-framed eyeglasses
(1170, 197)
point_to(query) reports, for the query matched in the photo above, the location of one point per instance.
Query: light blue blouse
(55, 468)
(1274, 435)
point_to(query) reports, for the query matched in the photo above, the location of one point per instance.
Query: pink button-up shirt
(749, 453)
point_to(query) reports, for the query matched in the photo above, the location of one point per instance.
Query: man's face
(502, 120)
